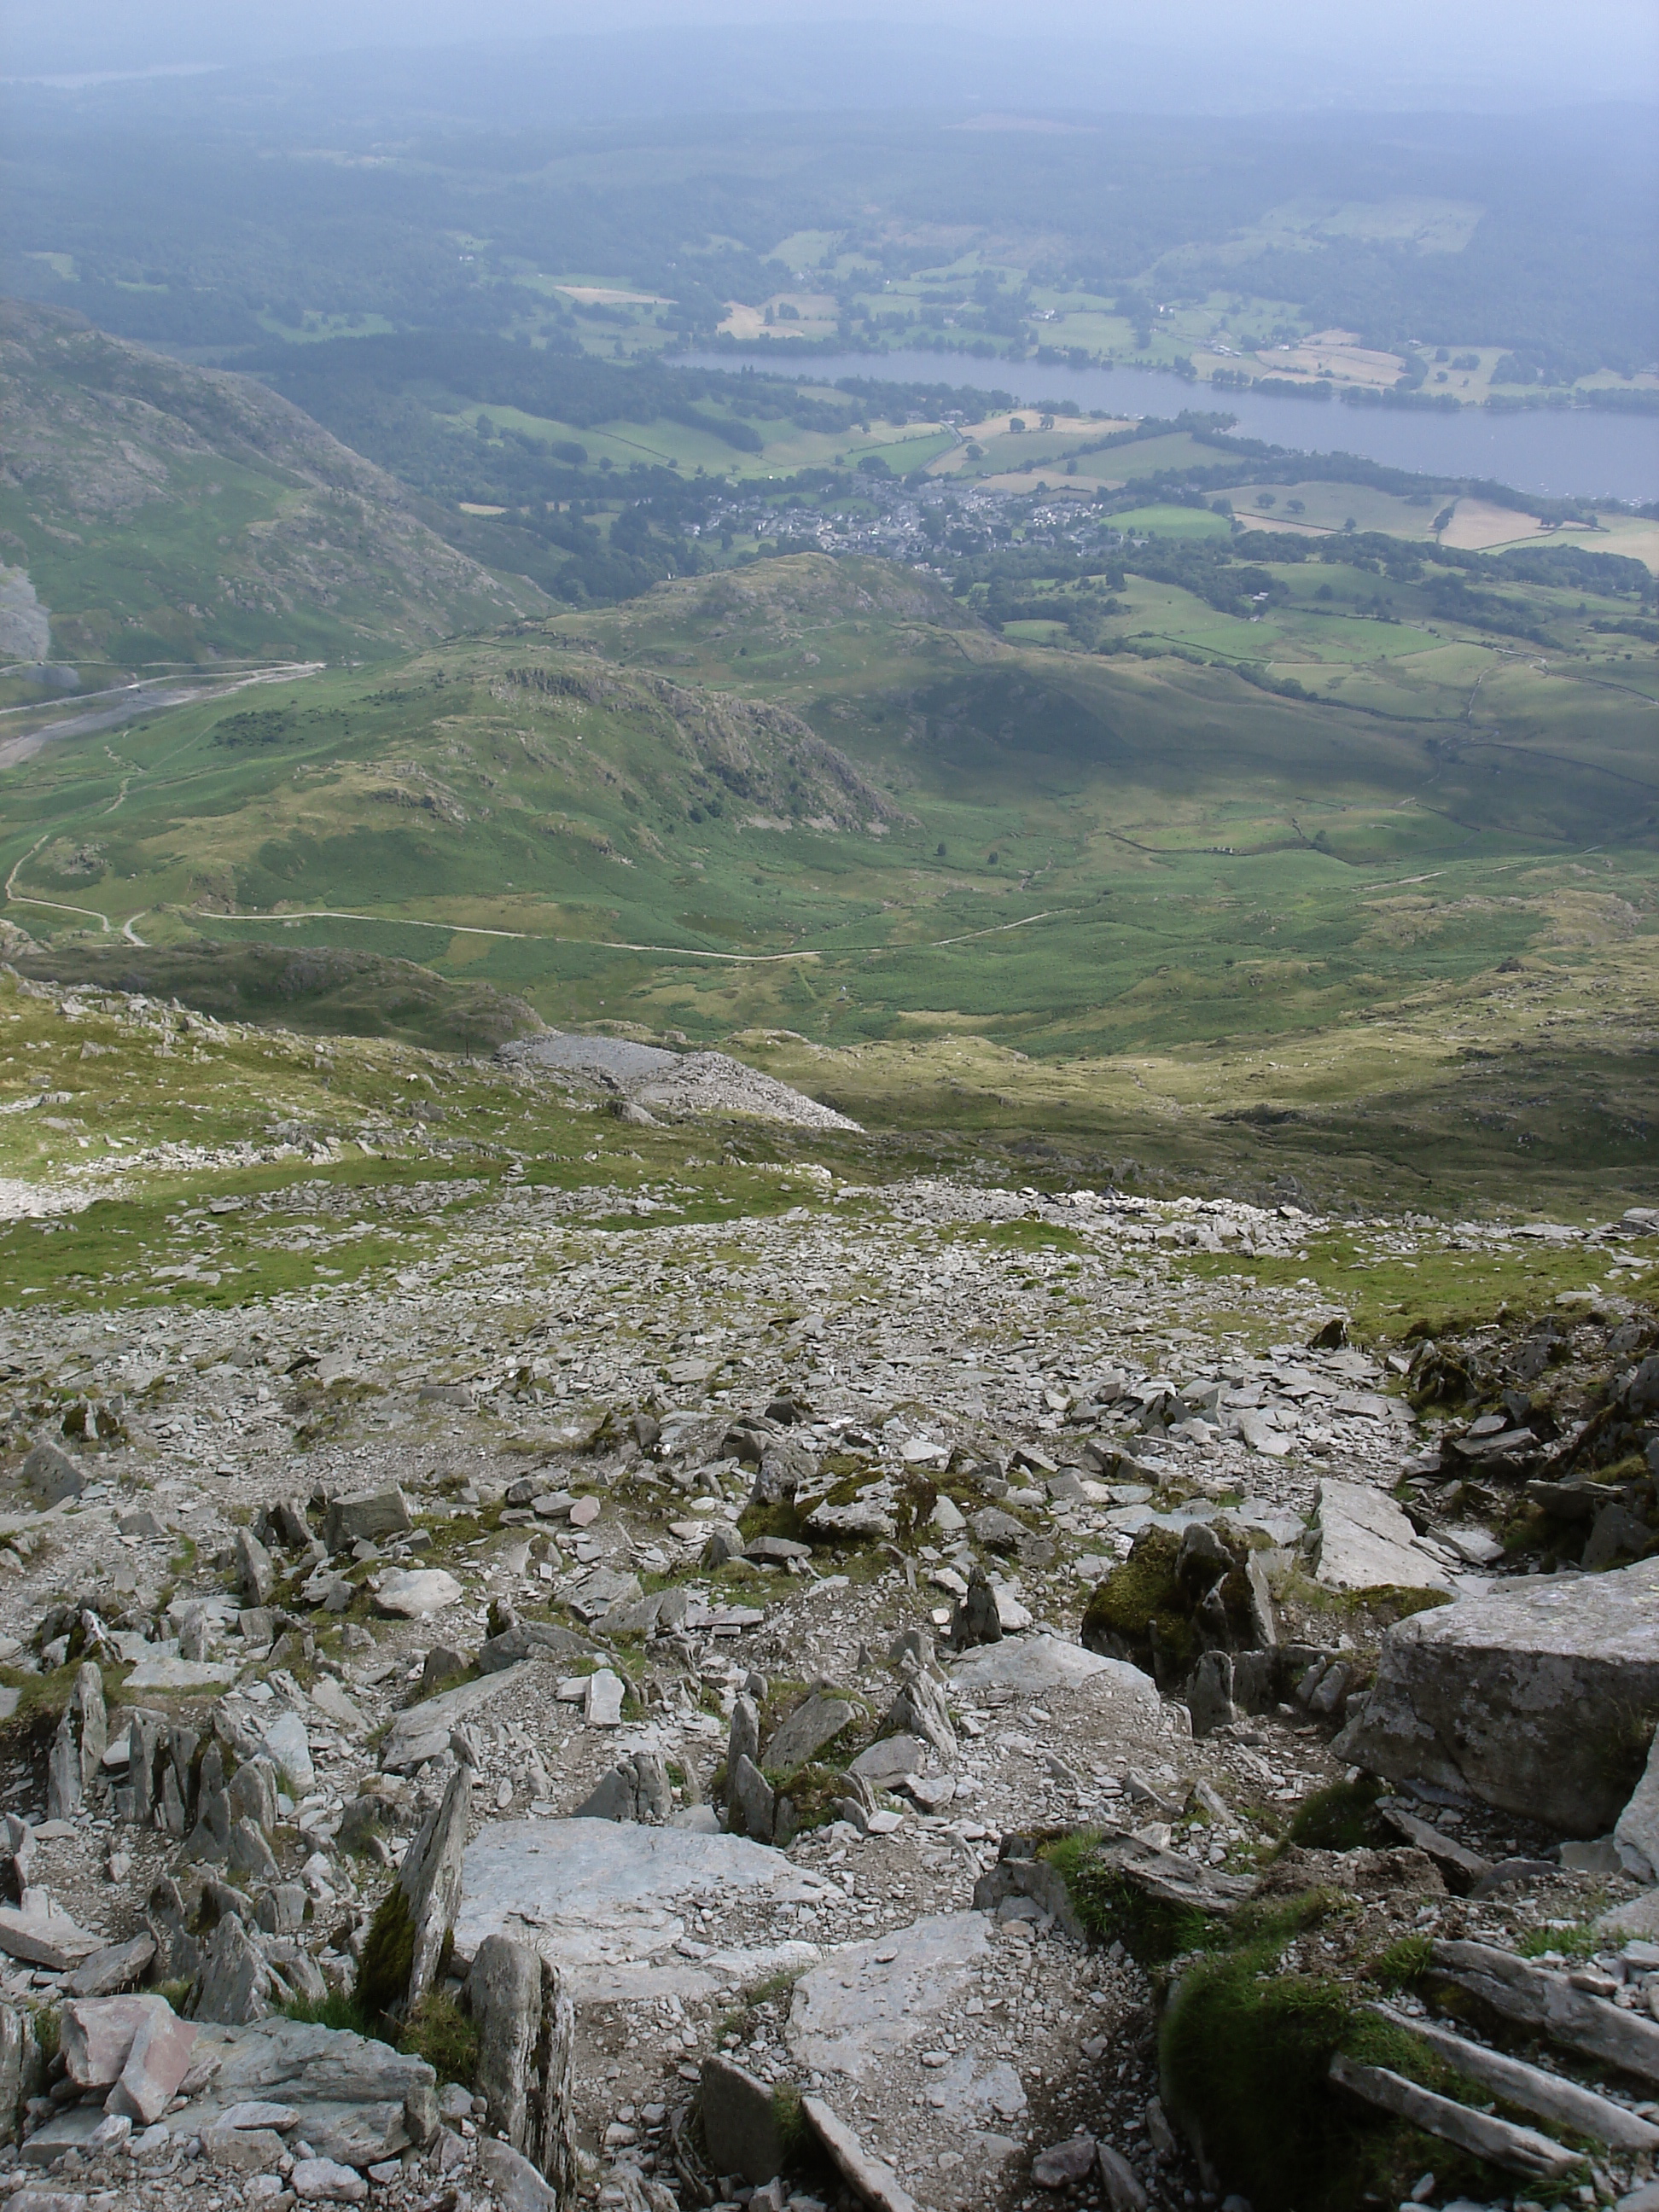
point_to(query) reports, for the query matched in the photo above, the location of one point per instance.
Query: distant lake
(1562, 452)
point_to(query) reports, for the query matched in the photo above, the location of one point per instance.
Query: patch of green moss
(778, 1519)
(388, 1955)
(1137, 1613)
(441, 2032)
(813, 1791)
(1245, 2051)
(844, 1465)
(1343, 1818)
(1114, 1910)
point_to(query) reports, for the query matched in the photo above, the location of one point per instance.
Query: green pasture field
(1172, 522)
(1340, 507)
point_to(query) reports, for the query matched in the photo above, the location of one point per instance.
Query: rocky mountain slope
(874, 1687)
(166, 513)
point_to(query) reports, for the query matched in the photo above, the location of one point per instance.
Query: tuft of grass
(338, 2009)
(441, 2032)
(1403, 1963)
(1342, 1818)
(1578, 1942)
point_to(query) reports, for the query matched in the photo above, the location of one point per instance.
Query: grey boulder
(636, 1788)
(1539, 1698)
(812, 1725)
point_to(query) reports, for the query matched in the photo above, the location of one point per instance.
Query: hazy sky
(1302, 51)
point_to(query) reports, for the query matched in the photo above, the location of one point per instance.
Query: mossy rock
(1114, 1910)
(1137, 1611)
(812, 1796)
(1342, 1818)
(778, 1519)
(1148, 1610)
(1245, 2052)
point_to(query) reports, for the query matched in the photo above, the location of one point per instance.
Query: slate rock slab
(813, 1723)
(739, 2122)
(1365, 1542)
(605, 1902)
(1538, 1698)
(416, 1593)
(366, 1517)
(357, 2100)
(1033, 1666)
(877, 2004)
(166, 1671)
(422, 1732)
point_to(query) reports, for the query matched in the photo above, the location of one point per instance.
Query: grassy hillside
(1138, 901)
(167, 514)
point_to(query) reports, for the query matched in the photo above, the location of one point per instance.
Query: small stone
(259, 2112)
(812, 1725)
(244, 2150)
(234, 1981)
(976, 1619)
(1210, 1694)
(287, 1746)
(157, 2064)
(96, 2033)
(323, 2181)
(366, 1517)
(117, 1966)
(416, 1593)
(442, 1664)
(1119, 2182)
(585, 1512)
(513, 2178)
(1065, 2163)
(750, 1796)
(51, 1474)
(256, 1573)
